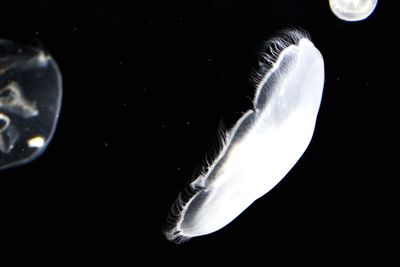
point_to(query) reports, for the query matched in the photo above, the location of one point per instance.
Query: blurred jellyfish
(264, 144)
(352, 10)
(30, 100)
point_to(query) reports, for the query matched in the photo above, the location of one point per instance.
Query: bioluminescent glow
(264, 144)
(352, 10)
(30, 100)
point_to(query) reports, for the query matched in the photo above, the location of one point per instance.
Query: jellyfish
(352, 10)
(263, 145)
(30, 100)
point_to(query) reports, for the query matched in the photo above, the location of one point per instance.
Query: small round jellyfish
(262, 147)
(30, 101)
(352, 10)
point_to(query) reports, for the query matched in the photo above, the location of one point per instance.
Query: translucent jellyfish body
(264, 144)
(352, 10)
(30, 100)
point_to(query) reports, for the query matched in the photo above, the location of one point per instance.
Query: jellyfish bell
(262, 147)
(352, 10)
(30, 100)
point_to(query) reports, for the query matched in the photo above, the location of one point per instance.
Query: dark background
(146, 84)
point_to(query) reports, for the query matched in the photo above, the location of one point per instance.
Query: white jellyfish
(352, 10)
(262, 147)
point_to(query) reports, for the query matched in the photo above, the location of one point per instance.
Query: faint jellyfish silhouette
(30, 100)
(352, 10)
(262, 147)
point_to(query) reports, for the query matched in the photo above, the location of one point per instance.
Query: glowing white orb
(352, 10)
